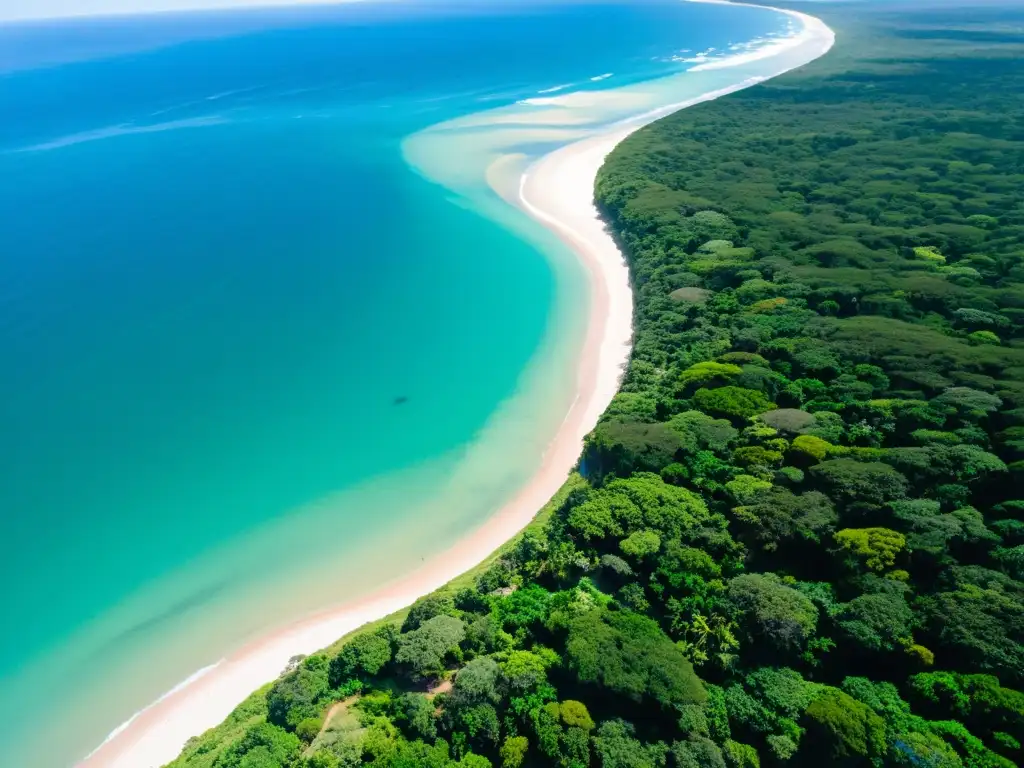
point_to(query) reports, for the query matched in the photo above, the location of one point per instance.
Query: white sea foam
(556, 88)
(124, 129)
(599, 78)
(199, 675)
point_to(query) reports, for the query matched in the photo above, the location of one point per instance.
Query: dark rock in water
(400, 400)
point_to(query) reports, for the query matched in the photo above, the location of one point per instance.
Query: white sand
(557, 191)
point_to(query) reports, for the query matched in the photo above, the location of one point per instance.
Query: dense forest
(797, 534)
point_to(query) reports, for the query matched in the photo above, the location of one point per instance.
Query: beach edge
(557, 191)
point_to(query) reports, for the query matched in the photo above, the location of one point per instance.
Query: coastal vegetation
(797, 535)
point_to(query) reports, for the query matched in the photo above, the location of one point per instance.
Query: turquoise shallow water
(249, 353)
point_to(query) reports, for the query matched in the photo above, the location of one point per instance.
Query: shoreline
(557, 191)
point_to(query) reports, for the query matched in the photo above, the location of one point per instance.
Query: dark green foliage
(877, 622)
(629, 654)
(616, 747)
(778, 516)
(365, 655)
(772, 611)
(842, 730)
(427, 608)
(622, 447)
(297, 696)
(423, 651)
(852, 481)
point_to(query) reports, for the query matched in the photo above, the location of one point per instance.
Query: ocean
(269, 339)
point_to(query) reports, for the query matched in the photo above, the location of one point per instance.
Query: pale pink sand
(558, 192)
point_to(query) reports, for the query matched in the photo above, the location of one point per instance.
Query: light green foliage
(783, 690)
(524, 671)
(524, 607)
(513, 751)
(642, 501)
(756, 456)
(984, 337)
(693, 720)
(812, 449)
(262, 746)
(876, 548)
(746, 488)
(574, 714)
(973, 752)
(842, 730)
(632, 406)
(700, 374)
(734, 403)
(740, 755)
(641, 544)
(929, 253)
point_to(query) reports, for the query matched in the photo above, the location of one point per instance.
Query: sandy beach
(557, 191)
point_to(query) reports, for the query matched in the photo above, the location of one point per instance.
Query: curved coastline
(556, 191)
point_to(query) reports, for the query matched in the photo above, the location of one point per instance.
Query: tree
(623, 447)
(740, 755)
(630, 655)
(855, 481)
(513, 751)
(297, 695)
(770, 610)
(698, 752)
(416, 714)
(969, 402)
(574, 714)
(783, 690)
(842, 730)
(702, 432)
(877, 622)
(364, 656)
(424, 650)
(477, 683)
(268, 745)
(641, 544)
(734, 403)
(876, 548)
(524, 607)
(616, 747)
(778, 515)
(427, 608)
(523, 671)
(789, 420)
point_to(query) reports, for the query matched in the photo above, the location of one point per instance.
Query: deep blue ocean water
(224, 297)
